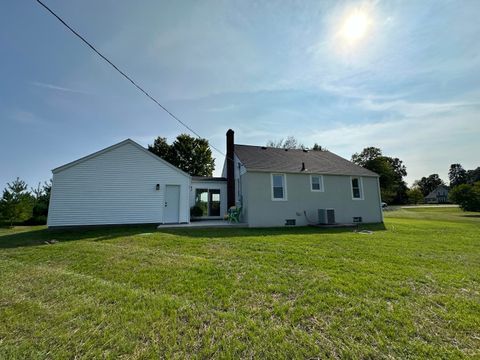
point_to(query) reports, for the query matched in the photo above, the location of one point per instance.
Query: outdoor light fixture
(157, 187)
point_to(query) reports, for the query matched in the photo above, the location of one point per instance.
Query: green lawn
(411, 290)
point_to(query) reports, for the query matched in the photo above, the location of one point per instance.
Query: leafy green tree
(473, 175)
(16, 204)
(190, 154)
(161, 148)
(467, 196)
(428, 184)
(391, 172)
(415, 196)
(367, 154)
(457, 175)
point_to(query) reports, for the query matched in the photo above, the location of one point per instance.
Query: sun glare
(355, 26)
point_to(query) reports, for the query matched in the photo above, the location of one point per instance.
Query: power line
(121, 72)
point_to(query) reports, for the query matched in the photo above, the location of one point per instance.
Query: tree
(457, 175)
(41, 200)
(161, 148)
(428, 184)
(190, 154)
(16, 204)
(473, 175)
(415, 196)
(317, 147)
(290, 142)
(467, 196)
(391, 172)
(367, 154)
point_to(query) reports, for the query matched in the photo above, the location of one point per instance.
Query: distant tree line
(19, 205)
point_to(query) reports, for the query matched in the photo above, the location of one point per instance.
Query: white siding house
(122, 184)
(127, 184)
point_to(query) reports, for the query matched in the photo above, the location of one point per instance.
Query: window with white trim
(279, 188)
(357, 188)
(316, 182)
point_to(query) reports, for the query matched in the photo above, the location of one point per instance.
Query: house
(127, 184)
(438, 196)
(277, 187)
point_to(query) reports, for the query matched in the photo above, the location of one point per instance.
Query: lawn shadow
(37, 237)
(471, 215)
(226, 232)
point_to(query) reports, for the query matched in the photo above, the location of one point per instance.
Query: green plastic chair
(234, 214)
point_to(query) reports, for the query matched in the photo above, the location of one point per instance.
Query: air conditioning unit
(326, 216)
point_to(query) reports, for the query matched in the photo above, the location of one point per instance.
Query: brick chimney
(230, 169)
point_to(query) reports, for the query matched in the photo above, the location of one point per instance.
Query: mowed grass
(411, 290)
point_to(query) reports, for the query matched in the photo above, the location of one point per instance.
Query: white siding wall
(115, 187)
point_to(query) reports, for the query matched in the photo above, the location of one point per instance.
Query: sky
(406, 79)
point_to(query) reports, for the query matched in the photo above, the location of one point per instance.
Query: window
(316, 182)
(279, 188)
(357, 191)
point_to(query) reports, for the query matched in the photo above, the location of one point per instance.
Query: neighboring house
(127, 184)
(437, 196)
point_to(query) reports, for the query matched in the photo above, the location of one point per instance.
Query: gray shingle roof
(261, 158)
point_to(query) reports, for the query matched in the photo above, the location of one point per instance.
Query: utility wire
(134, 83)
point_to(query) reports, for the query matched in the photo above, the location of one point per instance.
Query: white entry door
(171, 212)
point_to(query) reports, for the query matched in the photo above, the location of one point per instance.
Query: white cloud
(25, 117)
(427, 140)
(414, 109)
(60, 88)
(225, 108)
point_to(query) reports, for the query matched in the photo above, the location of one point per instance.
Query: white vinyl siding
(357, 188)
(316, 183)
(279, 187)
(115, 187)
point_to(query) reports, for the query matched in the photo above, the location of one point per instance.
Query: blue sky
(267, 69)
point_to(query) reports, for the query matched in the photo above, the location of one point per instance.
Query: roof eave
(308, 172)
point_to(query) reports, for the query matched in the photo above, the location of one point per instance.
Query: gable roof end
(113, 147)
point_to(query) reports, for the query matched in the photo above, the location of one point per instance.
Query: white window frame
(320, 177)
(284, 186)
(360, 187)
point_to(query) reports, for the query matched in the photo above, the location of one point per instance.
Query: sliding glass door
(209, 201)
(213, 202)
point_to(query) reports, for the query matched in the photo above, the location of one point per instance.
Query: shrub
(467, 196)
(196, 211)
